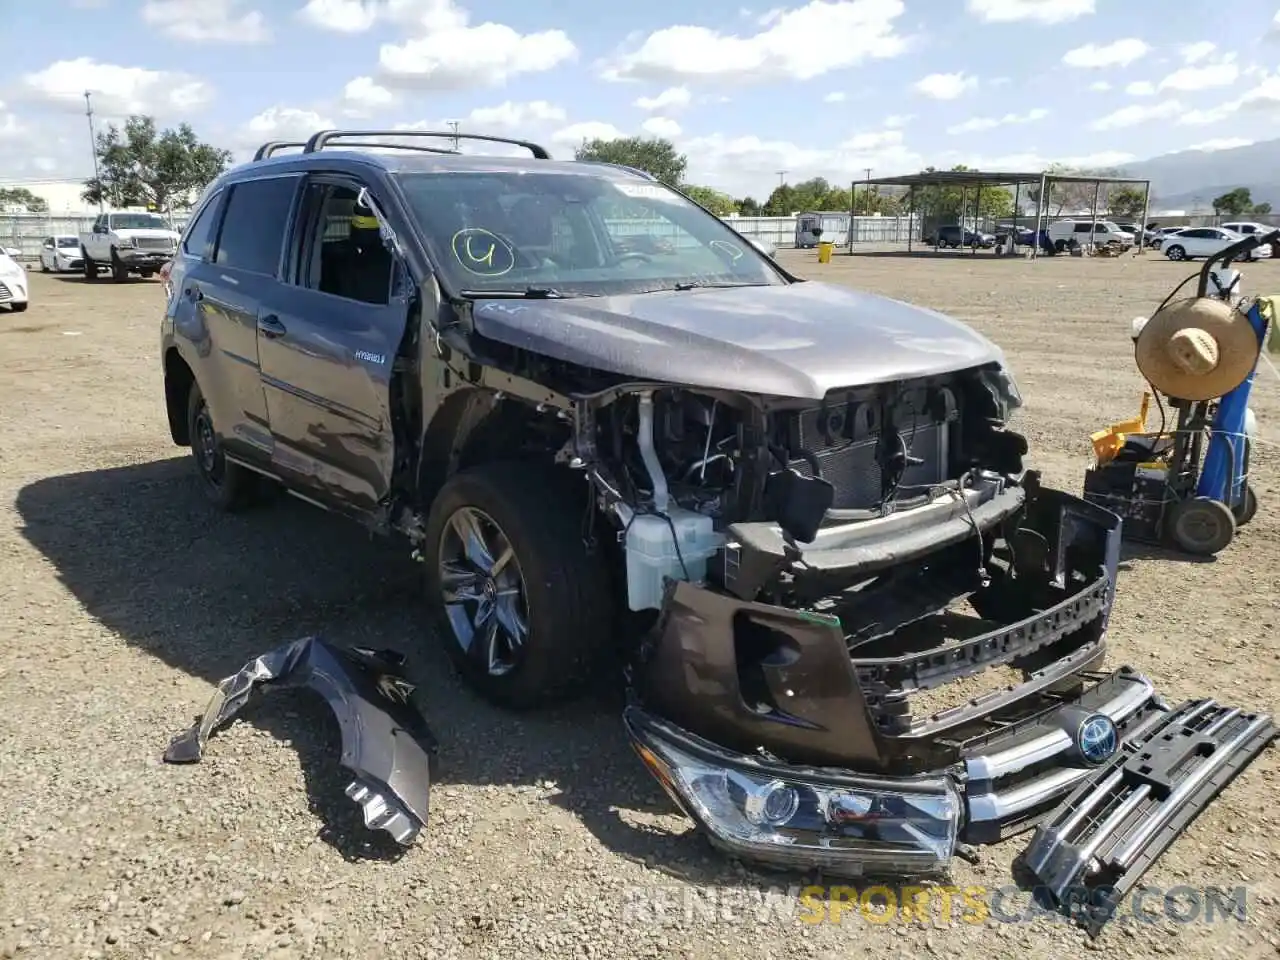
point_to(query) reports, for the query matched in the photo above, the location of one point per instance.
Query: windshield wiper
(703, 285)
(528, 293)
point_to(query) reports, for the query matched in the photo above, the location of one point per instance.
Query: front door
(327, 345)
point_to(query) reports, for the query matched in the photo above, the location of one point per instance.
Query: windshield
(575, 235)
(138, 221)
(68, 242)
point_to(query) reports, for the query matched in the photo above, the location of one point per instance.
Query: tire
(146, 274)
(90, 268)
(1059, 245)
(561, 590)
(1248, 507)
(43, 267)
(1176, 253)
(19, 307)
(228, 486)
(1202, 526)
(119, 272)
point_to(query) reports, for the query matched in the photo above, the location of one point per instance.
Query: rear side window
(196, 243)
(254, 225)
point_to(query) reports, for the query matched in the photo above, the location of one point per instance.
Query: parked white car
(60, 254)
(13, 283)
(1247, 227)
(1205, 242)
(1160, 234)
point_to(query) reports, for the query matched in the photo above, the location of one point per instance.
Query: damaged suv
(611, 428)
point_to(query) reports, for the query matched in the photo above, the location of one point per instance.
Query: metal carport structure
(978, 179)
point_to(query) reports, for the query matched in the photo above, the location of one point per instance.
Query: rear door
(241, 267)
(327, 343)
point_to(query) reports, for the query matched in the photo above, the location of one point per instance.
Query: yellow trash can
(824, 251)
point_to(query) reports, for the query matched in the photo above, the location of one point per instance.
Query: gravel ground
(124, 599)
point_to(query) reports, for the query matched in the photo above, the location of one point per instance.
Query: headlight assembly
(798, 817)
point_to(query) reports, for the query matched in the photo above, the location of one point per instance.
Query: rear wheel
(1247, 507)
(523, 609)
(229, 486)
(1176, 253)
(90, 268)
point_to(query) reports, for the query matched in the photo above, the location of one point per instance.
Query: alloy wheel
(484, 593)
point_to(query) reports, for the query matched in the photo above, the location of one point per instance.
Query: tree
(140, 166)
(1261, 209)
(721, 204)
(1233, 203)
(650, 154)
(1078, 195)
(750, 207)
(1127, 202)
(23, 196)
(940, 203)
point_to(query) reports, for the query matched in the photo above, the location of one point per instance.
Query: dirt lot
(124, 599)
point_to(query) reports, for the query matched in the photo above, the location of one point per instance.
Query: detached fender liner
(386, 743)
(1095, 847)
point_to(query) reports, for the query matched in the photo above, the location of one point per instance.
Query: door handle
(271, 327)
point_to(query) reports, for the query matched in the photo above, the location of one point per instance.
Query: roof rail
(271, 146)
(321, 139)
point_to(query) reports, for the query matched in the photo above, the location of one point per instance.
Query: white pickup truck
(126, 242)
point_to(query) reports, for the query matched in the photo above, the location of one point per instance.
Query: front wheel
(1176, 253)
(119, 270)
(90, 268)
(523, 609)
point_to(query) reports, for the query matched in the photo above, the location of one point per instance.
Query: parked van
(1104, 232)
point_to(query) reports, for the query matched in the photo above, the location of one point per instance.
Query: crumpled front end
(809, 737)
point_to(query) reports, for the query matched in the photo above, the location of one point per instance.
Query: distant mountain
(1192, 178)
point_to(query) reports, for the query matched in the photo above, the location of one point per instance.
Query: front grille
(853, 468)
(154, 243)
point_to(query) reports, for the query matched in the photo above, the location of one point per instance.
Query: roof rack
(321, 139)
(268, 149)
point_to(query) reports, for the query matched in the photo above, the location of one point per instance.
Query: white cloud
(835, 96)
(1136, 114)
(1141, 88)
(1222, 143)
(1100, 86)
(1273, 31)
(575, 133)
(661, 127)
(1121, 53)
(117, 91)
(1208, 77)
(673, 98)
(798, 44)
(945, 86)
(512, 115)
(1263, 98)
(898, 120)
(1034, 11)
(358, 16)
(1195, 52)
(208, 21)
(976, 124)
(286, 123)
(460, 56)
(363, 96)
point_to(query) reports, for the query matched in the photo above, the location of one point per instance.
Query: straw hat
(1197, 349)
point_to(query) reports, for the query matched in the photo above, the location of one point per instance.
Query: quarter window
(254, 225)
(196, 242)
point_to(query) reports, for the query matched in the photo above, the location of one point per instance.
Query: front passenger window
(346, 256)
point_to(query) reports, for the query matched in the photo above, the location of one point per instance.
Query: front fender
(386, 744)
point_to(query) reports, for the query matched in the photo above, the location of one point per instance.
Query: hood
(798, 340)
(146, 233)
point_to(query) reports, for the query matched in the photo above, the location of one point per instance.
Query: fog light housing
(847, 824)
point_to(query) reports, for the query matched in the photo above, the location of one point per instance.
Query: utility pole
(453, 125)
(782, 178)
(866, 196)
(93, 146)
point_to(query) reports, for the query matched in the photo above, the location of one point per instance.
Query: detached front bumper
(1125, 772)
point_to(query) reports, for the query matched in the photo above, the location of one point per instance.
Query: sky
(751, 94)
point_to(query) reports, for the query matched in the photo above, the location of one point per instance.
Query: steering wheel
(634, 255)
